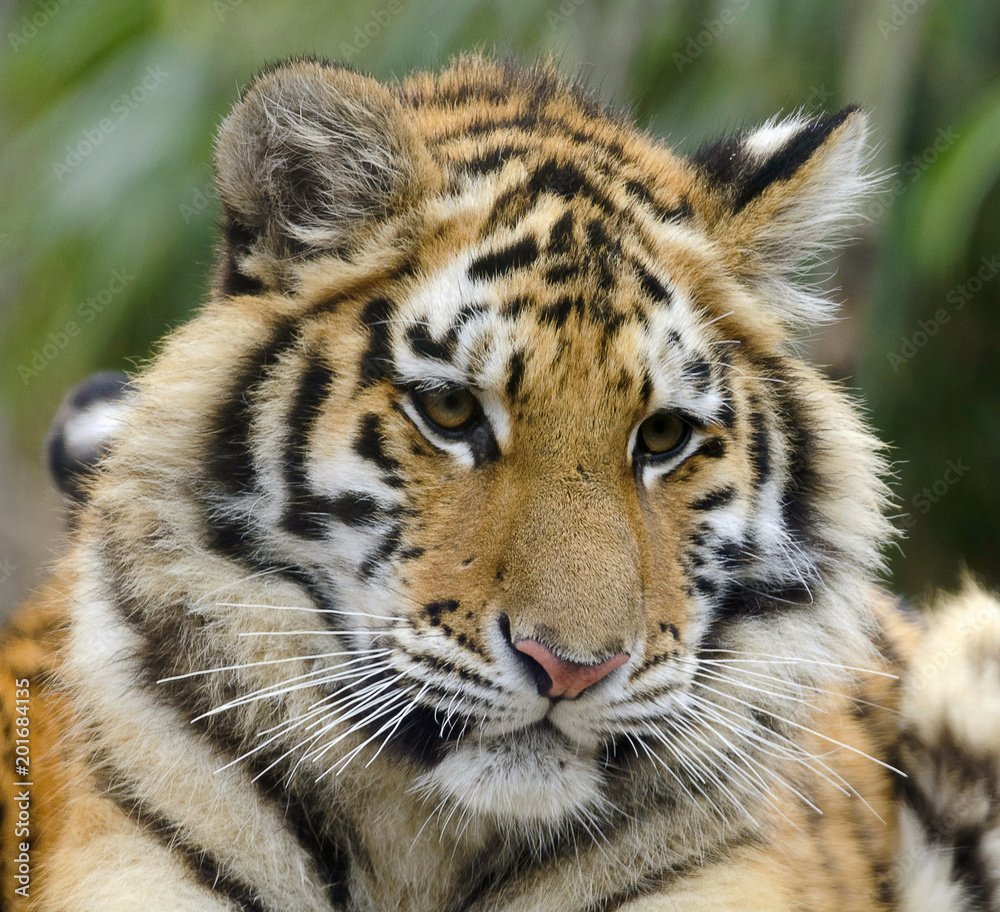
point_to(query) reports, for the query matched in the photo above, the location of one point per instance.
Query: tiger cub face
(492, 462)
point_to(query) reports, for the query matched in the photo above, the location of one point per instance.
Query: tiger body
(484, 545)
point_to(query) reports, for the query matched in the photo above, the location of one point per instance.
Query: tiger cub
(484, 544)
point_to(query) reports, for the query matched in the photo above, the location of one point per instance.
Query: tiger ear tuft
(311, 157)
(780, 197)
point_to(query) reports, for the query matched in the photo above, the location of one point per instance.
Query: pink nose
(569, 679)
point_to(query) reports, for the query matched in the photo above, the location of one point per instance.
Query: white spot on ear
(88, 431)
(772, 136)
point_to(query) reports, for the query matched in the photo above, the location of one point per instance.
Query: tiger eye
(663, 433)
(449, 409)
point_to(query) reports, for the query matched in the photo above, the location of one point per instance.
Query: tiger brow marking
(519, 255)
(369, 444)
(376, 361)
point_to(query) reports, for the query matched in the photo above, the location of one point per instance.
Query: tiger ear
(779, 197)
(311, 157)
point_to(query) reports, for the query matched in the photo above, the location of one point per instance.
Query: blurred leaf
(954, 192)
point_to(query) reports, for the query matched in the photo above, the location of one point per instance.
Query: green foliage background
(920, 339)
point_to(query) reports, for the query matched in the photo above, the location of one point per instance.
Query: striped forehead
(469, 324)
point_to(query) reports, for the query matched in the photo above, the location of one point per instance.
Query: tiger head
(491, 466)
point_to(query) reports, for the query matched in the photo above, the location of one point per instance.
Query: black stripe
(388, 545)
(805, 484)
(561, 272)
(198, 860)
(699, 372)
(568, 182)
(970, 869)
(649, 884)
(713, 448)
(759, 446)
(653, 287)
(705, 585)
(561, 234)
(328, 850)
(509, 210)
(493, 160)
(731, 555)
(228, 457)
(534, 124)
(376, 362)
(602, 251)
(370, 444)
(559, 311)
(175, 640)
(677, 212)
(759, 599)
(715, 499)
(357, 508)
(493, 265)
(515, 375)
(305, 512)
(424, 345)
(965, 772)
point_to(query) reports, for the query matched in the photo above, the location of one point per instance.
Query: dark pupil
(453, 403)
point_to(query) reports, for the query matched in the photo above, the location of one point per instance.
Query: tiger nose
(565, 678)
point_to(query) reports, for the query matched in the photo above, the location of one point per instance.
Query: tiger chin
(486, 544)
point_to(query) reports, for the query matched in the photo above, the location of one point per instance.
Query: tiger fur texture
(485, 544)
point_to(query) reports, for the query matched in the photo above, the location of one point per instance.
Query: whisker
(792, 660)
(336, 611)
(806, 728)
(297, 658)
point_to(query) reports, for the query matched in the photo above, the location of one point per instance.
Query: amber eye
(449, 409)
(662, 434)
